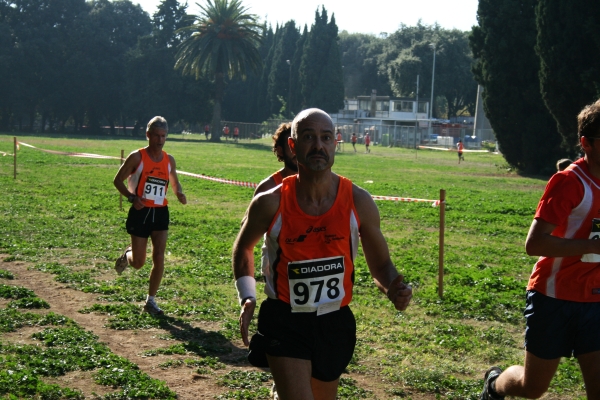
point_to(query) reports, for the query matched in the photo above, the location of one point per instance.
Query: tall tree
(224, 42)
(359, 57)
(322, 40)
(279, 85)
(507, 67)
(568, 45)
(296, 95)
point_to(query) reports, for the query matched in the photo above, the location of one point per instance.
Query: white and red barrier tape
(220, 180)
(65, 153)
(452, 149)
(435, 203)
(252, 185)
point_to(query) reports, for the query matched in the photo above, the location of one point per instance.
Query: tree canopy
(224, 41)
(507, 67)
(568, 46)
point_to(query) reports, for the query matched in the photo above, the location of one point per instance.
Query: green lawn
(66, 208)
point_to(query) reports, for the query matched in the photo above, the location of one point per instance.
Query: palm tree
(223, 40)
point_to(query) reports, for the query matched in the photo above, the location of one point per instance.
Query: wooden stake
(441, 243)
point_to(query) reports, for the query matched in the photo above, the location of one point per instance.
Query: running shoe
(152, 308)
(274, 394)
(121, 264)
(490, 376)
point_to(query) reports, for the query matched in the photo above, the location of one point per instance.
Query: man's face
(315, 145)
(156, 137)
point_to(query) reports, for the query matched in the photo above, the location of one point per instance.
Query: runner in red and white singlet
(563, 295)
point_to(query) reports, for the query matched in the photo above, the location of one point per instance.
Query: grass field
(61, 219)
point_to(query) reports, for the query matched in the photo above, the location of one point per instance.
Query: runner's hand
(138, 204)
(245, 319)
(399, 293)
(181, 197)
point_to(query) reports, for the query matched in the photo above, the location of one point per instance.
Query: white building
(401, 121)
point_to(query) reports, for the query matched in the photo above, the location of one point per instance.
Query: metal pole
(15, 156)
(432, 81)
(441, 243)
(289, 106)
(417, 116)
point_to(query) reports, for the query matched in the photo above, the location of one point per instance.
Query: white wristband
(246, 287)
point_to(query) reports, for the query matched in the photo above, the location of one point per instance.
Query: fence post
(15, 156)
(120, 195)
(441, 243)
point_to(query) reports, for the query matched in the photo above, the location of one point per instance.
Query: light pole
(289, 105)
(432, 45)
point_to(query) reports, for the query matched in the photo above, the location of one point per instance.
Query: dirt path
(129, 344)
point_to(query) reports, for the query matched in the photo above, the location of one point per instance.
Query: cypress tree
(569, 49)
(507, 67)
(321, 41)
(279, 76)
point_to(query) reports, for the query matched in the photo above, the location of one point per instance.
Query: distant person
(313, 222)
(367, 142)
(206, 130)
(354, 139)
(338, 139)
(563, 293)
(226, 132)
(562, 164)
(236, 134)
(148, 171)
(460, 148)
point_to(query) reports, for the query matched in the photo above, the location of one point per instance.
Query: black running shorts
(560, 328)
(143, 222)
(327, 340)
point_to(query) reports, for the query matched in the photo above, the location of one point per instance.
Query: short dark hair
(563, 163)
(157, 122)
(280, 137)
(588, 121)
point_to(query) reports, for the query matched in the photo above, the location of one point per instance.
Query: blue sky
(371, 16)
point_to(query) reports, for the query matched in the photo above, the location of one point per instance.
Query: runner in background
(148, 171)
(206, 130)
(236, 134)
(354, 139)
(367, 142)
(226, 132)
(460, 148)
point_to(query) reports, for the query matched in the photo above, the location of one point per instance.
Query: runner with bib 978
(313, 224)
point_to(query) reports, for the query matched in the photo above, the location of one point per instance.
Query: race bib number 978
(155, 189)
(316, 285)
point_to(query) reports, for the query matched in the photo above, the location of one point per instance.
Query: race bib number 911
(316, 285)
(155, 189)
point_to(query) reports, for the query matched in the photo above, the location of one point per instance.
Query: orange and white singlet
(311, 258)
(571, 201)
(151, 180)
(277, 177)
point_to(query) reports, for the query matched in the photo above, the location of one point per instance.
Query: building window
(383, 105)
(404, 106)
(422, 108)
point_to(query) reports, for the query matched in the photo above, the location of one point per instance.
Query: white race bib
(316, 285)
(155, 189)
(594, 234)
